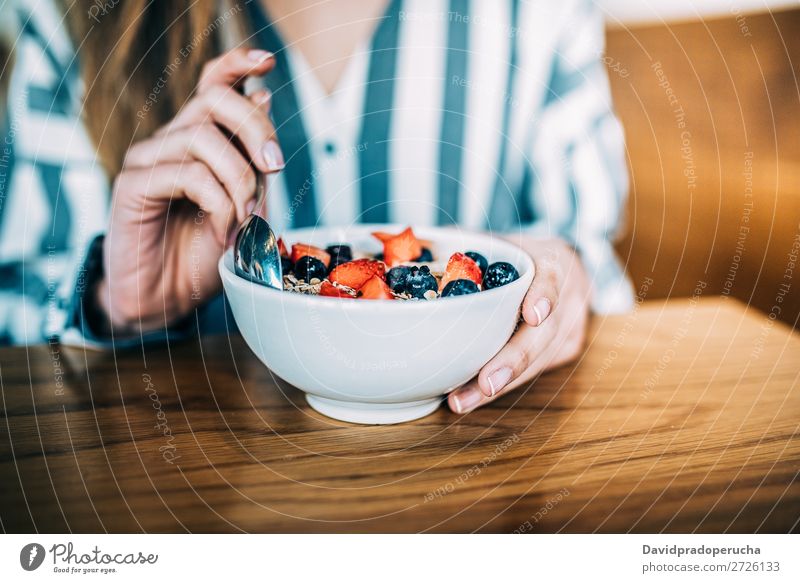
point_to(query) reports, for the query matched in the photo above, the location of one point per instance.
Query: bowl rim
(525, 279)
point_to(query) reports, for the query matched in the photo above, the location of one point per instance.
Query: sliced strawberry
(459, 266)
(382, 236)
(302, 250)
(401, 248)
(375, 289)
(354, 274)
(282, 248)
(331, 291)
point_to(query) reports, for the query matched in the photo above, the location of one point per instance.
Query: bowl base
(373, 413)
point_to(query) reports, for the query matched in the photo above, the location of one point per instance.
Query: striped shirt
(487, 114)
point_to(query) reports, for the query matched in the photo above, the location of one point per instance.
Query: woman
(484, 114)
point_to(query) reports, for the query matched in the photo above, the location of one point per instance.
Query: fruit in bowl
(413, 273)
(383, 361)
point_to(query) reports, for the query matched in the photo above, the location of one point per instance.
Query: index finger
(233, 67)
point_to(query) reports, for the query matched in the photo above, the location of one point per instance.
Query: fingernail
(250, 206)
(466, 401)
(272, 155)
(499, 379)
(542, 310)
(258, 56)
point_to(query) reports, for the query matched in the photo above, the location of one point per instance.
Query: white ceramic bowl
(377, 361)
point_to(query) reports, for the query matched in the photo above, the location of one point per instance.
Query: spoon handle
(261, 195)
(259, 209)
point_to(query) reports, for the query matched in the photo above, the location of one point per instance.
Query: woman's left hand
(555, 312)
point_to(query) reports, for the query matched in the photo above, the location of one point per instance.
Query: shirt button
(330, 148)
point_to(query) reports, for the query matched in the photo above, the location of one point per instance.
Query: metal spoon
(255, 251)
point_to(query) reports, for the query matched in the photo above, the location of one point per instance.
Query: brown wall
(737, 81)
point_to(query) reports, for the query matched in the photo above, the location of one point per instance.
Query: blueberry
(340, 249)
(460, 287)
(425, 256)
(339, 254)
(335, 263)
(420, 280)
(286, 265)
(336, 260)
(479, 259)
(378, 257)
(498, 274)
(396, 278)
(308, 268)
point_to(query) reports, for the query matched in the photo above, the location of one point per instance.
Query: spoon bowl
(256, 256)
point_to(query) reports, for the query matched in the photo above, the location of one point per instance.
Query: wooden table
(682, 416)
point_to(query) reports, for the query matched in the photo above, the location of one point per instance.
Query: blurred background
(709, 95)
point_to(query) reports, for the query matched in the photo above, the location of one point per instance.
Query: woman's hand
(180, 191)
(555, 312)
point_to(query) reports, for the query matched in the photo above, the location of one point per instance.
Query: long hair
(7, 31)
(140, 60)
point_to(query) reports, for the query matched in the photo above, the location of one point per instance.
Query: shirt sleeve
(82, 324)
(39, 249)
(579, 178)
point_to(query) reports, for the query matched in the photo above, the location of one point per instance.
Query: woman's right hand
(180, 191)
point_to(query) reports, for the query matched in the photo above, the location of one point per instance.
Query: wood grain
(682, 416)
